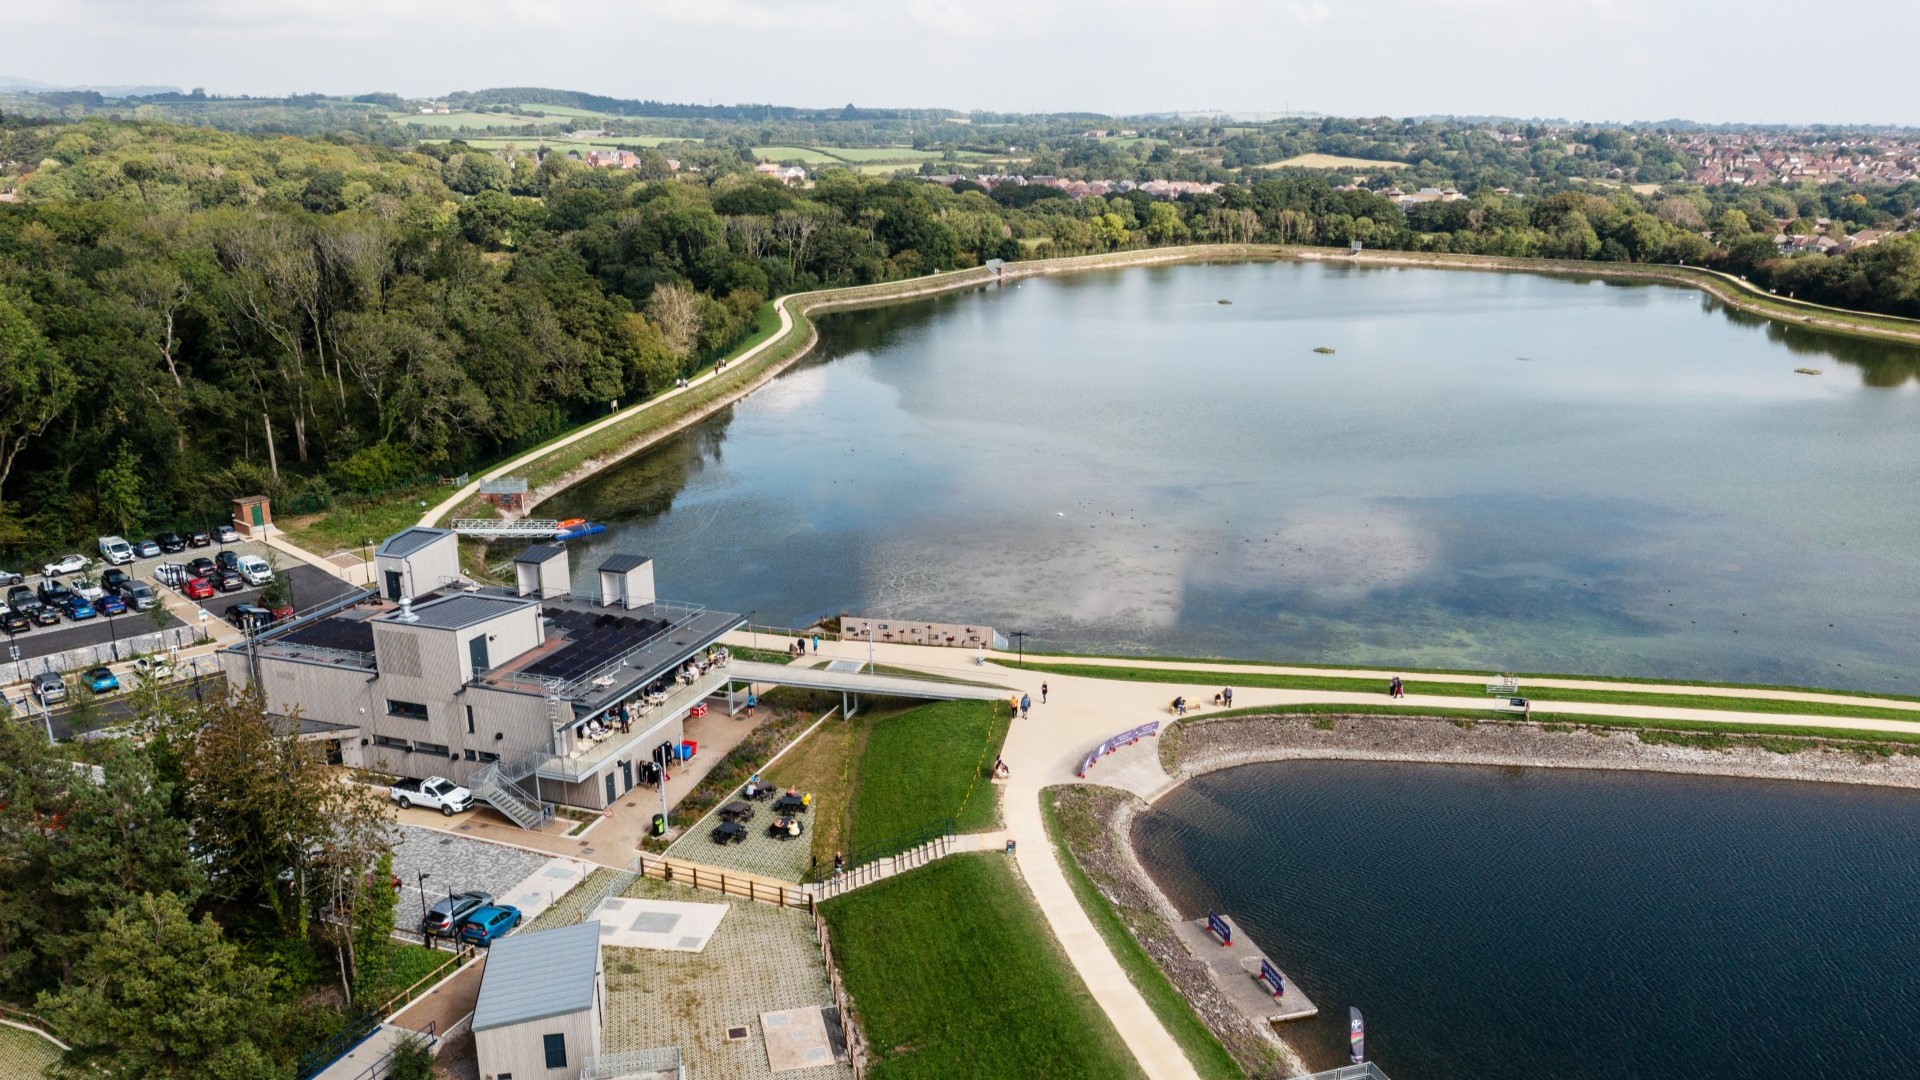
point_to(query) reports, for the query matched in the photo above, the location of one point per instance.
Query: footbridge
(528, 528)
(844, 677)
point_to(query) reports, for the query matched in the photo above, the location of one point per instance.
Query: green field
(782, 154)
(530, 142)
(926, 764)
(1332, 161)
(956, 975)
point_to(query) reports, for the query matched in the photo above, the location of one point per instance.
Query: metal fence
(1366, 1070)
(107, 652)
(658, 1060)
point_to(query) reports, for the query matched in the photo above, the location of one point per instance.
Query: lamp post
(424, 940)
(1020, 640)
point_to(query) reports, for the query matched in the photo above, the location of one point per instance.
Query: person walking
(816, 644)
(1043, 693)
(1228, 695)
(752, 700)
(1025, 704)
(1013, 706)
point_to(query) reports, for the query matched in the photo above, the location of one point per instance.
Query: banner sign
(1220, 928)
(1357, 1034)
(1272, 977)
(1125, 738)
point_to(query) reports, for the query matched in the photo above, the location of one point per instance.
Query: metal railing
(659, 1059)
(106, 652)
(372, 1072)
(681, 614)
(877, 862)
(1366, 1070)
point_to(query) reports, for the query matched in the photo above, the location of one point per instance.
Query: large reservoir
(1488, 470)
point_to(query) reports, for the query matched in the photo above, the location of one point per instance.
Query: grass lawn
(1539, 696)
(1210, 1059)
(929, 763)
(956, 975)
(406, 965)
(824, 765)
(1332, 161)
(349, 524)
(793, 153)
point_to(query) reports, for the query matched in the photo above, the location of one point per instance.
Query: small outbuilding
(541, 1004)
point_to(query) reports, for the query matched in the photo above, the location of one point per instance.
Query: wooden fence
(842, 1002)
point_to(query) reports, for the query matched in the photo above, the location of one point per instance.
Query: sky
(1770, 61)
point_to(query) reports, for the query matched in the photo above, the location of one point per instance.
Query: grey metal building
(540, 1008)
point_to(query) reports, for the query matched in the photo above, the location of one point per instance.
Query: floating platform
(1236, 968)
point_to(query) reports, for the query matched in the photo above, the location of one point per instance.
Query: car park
(198, 588)
(75, 607)
(447, 915)
(227, 560)
(49, 687)
(490, 923)
(109, 604)
(229, 580)
(8, 577)
(138, 595)
(198, 538)
(250, 617)
(54, 593)
(113, 577)
(15, 622)
(226, 534)
(116, 550)
(101, 680)
(46, 615)
(171, 573)
(254, 569)
(201, 567)
(152, 668)
(146, 549)
(66, 564)
(171, 543)
(21, 598)
(87, 588)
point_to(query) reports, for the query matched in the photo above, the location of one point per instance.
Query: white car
(255, 570)
(434, 793)
(66, 564)
(87, 589)
(116, 550)
(171, 573)
(152, 668)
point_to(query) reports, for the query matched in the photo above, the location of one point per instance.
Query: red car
(281, 610)
(198, 589)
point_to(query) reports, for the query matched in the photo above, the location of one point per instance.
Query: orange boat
(570, 523)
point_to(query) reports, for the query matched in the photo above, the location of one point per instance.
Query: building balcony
(588, 758)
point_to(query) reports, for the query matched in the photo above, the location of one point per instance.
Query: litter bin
(659, 824)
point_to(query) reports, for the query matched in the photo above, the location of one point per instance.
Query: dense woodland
(187, 313)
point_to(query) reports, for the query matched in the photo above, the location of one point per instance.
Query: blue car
(76, 607)
(102, 681)
(490, 923)
(110, 604)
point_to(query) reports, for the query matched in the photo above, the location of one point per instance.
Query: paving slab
(671, 925)
(1236, 968)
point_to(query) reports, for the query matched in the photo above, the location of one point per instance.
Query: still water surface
(1492, 470)
(1508, 923)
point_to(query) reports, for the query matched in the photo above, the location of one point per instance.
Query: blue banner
(1220, 928)
(1125, 738)
(1272, 977)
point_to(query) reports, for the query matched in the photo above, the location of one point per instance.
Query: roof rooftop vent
(406, 610)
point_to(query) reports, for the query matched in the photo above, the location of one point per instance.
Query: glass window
(392, 743)
(556, 1051)
(469, 719)
(412, 710)
(431, 748)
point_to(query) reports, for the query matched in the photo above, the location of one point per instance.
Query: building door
(333, 752)
(477, 652)
(259, 517)
(612, 795)
(626, 775)
(393, 585)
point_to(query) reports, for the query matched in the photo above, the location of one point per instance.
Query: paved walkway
(1048, 746)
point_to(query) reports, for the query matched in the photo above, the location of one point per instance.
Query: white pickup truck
(435, 792)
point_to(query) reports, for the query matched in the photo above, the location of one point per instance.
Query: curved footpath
(1047, 748)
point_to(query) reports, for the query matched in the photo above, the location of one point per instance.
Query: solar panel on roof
(350, 635)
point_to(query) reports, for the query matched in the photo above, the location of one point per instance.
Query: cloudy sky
(1710, 60)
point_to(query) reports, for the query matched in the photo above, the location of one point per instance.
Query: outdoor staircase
(497, 786)
(896, 856)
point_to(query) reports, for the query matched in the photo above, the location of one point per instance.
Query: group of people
(1221, 700)
(799, 647)
(1396, 688)
(1020, 705)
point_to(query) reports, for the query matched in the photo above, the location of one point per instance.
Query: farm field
(1331, 161)
(459, 120)
(793, 153)
(529, 142)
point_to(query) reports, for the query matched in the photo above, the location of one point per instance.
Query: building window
(556, 1051)
(430, 748)
(488, 759)
(411, 710)
(392, 743)
(469, 719)
(469, 754)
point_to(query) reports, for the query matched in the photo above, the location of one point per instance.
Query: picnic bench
(790, 804)
(736, 811)
(729, 832)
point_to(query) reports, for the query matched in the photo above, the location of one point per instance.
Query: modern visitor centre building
(529, 696)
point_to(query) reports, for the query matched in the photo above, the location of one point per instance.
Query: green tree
(120, 490)
(1164, 225)
(35, 383)
(1109, 230)
(159, 996)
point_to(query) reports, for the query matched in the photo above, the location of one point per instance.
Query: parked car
(281, 610)
(226, 534)
(15, 622)
(446, 916)
(138, 595)
(66, 564)
(171, 543)
(116, 550)
(146, 549)
(54, 593)
(109, 604)
(229, 580)
(197, 588)
(254, 569)
(152, 668)
(435, 793)
(198, 538)
(201, 567)
(46, 615)
(250, 617)
(113, 577)
(22, 599)
(8, 577)
(227, 560)
(75, 607)
(171, 573)
(86, 587)
(101, 680)
(487, 924)
(49, 687)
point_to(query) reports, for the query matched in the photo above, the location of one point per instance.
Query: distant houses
(1080, 189)
(786, 174)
